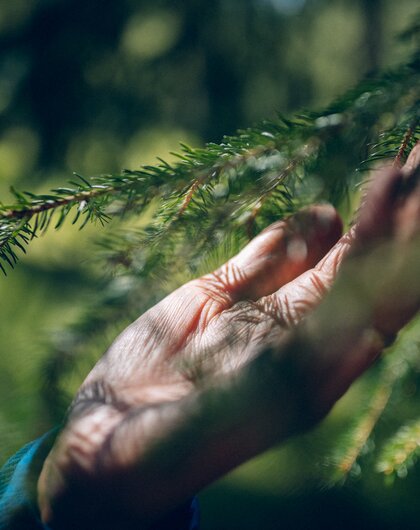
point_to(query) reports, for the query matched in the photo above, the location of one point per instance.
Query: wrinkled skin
(238, 360)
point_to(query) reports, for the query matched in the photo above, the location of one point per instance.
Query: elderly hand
(236, 361)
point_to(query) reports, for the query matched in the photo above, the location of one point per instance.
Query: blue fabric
(187, 517)
(18, 478)
(195, 514)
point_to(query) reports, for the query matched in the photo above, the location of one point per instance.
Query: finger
(400, 301)
(384, 292)
(375, 296)
(279, 254)
(408, 212)
(375, 221)
(293, 301)
(413, 160)
(384, 198)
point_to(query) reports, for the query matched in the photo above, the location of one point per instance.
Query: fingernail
(327, 220)
(413, 160)
(297, 250)
(326, 216)
(409, 182)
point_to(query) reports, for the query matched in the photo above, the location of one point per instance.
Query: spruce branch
(401, 451)
(396, 366)
(364, 428)
(405, 144)
(243, 183)
(231, 190)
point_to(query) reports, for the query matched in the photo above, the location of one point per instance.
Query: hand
(236, 361)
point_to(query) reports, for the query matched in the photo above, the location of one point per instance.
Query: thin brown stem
(365, 428)
(398, 161)
(250, 223)
(34, 209)
(188, 197)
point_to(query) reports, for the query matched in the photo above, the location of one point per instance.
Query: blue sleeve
(18, 479)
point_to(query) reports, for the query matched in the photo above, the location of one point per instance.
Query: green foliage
(400, 363)
(401, 451)
(179, 215)
(242, 184)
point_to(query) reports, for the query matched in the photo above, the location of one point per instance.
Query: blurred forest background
(94, 86)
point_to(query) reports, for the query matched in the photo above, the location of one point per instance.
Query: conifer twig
(242, 178)
(365, 427)
(309, 149)
(195, 184)
(35, 208)
(398, 161)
